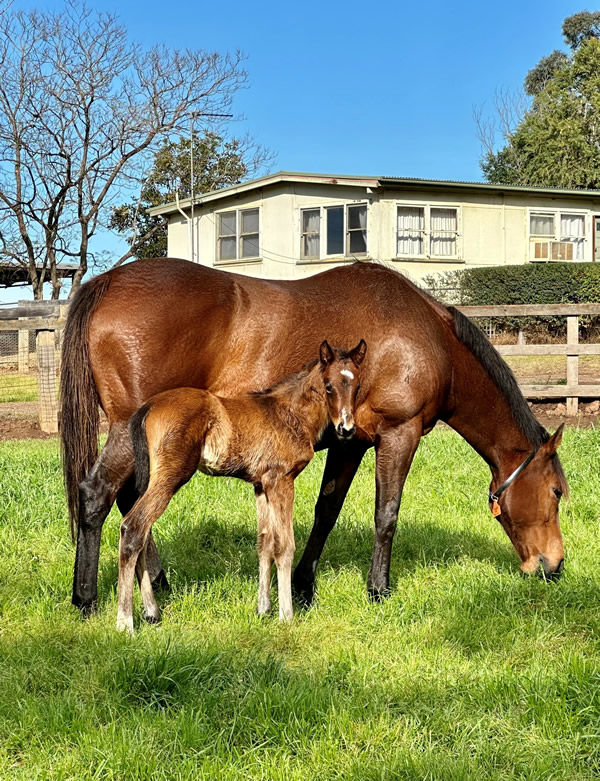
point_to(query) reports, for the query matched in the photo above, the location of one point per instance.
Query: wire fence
(30, 338)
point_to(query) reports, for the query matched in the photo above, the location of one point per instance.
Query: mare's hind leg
(97, 492)
(395, 450)
(343, 459)
(126, 498)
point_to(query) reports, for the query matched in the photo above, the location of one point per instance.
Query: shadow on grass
(205, 552)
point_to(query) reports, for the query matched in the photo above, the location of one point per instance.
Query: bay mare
(165, 323)
(263, 438)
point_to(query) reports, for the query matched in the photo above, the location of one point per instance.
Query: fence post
(47, 382)
(23, 350)
(572, 362)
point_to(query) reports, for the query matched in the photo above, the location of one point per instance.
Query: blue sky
(353, 88)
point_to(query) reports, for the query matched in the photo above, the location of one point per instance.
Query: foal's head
(340, 371)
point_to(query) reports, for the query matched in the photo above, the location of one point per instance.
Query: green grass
(467, 671)
(18, 387)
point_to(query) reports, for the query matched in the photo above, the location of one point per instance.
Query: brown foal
(264, 438)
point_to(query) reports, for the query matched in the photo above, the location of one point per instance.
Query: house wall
(493, 226)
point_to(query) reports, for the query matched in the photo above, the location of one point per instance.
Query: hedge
(539, 283)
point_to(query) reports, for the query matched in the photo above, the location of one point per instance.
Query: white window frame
(322, 232)
(428, 234)
(240, 235)
(554, 247)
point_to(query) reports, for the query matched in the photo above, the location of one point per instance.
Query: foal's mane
(290, 382)
(501, 375)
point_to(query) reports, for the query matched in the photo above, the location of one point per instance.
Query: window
(344, 229)
(556, 236)
(238, 235)
(427, 231)
(311, 233)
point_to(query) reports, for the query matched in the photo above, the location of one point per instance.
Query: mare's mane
(501, 375)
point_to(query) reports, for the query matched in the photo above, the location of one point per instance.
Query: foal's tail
(139, 441)
(79, 416)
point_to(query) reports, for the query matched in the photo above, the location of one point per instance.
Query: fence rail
(573, 390)
(47, 319)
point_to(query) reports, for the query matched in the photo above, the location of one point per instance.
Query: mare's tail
(79, 415)
(139, 441)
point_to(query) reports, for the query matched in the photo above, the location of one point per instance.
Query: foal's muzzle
(345, 431)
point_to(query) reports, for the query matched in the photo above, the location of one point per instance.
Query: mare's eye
(557, 492)
(328, 387)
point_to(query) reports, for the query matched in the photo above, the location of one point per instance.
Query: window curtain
(443, 232)
(541, 225)
(311, 225)
(572, 228)
(411, 224)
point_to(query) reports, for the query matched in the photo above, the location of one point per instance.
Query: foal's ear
(358, 354)
(325, 353)
(552, 444)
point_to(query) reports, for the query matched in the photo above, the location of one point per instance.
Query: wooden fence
(47, 318)
(573, 390)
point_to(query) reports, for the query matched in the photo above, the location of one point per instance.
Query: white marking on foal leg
(347, 373)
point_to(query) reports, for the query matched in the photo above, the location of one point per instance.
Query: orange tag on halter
(495, 508)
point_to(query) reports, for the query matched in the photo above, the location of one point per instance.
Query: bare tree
(82, 110)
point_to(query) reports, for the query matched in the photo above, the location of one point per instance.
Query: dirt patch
(19, 420)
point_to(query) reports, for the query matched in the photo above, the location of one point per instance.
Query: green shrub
(547, 283)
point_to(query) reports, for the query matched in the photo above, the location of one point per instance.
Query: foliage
(81, 110)
(467, 671)
(532, 283)
(217, 163)
(554, 141)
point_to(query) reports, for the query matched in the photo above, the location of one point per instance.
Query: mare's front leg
(343, 459)
(97, 493)
(395, 450)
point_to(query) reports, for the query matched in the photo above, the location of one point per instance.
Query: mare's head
(528, 508)
(341, 375)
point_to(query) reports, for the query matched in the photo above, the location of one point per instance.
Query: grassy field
(467, 671)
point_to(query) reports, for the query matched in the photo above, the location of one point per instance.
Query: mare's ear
(552, 444)
(358, 354)
(325, 353)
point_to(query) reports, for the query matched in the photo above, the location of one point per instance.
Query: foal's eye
(328, 387)
(557, 492)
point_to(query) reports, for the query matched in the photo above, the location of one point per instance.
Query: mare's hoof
(152, 619)
(304, 592)
(86, 609)
(160, 582)
(377, 594)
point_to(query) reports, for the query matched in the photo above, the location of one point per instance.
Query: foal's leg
(343, 459)
(265, 553)
(151, 608)
(395, 450)
(281, 499)
(126, 498)
(97, 493)
(134, 535)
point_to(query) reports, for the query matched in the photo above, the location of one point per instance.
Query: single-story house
(289, 225)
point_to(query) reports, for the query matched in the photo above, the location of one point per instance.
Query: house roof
(13, 274)
(373, 182)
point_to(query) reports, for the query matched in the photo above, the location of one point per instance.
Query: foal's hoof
(152, 619)
(160, 582)
(304, 592)
(378, 594)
